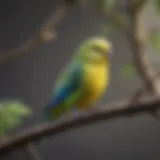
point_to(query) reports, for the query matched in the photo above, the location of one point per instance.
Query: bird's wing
(68, 84)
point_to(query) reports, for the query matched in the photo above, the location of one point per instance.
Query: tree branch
(45, 34)
(145, 71)
(123, 108)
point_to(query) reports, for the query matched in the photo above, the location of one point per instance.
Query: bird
(84, 80)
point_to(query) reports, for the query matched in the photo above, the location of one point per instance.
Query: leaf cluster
(11, 112)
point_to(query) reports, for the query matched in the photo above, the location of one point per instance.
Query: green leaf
(154, 39)
(11, 113)
(128, 70)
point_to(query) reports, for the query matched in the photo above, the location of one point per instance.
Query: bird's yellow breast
(95, 80)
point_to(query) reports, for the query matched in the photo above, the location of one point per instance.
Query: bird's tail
(52, 111)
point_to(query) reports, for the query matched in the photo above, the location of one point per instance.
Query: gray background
(31, 78)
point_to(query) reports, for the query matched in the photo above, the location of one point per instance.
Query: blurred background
(31, 78)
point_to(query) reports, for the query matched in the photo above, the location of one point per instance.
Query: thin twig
(123, 108)
(46, 33)
(29, 44)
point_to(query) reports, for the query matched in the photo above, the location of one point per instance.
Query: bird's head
(95, 50)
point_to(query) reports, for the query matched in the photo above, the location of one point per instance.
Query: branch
(145, 71)
(123, 108)
(45, 34)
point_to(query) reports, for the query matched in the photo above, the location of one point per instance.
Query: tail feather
(52, 112)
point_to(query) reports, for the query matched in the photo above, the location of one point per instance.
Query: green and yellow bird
(84, 81)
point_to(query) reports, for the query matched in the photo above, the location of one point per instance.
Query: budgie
(84, 80)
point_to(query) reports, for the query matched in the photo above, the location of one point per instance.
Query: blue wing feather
(67, 86)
